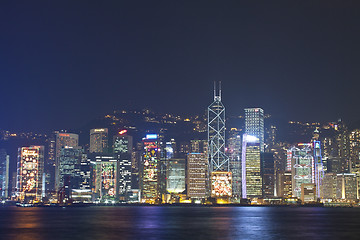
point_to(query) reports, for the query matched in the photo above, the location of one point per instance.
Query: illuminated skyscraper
(70, 170)
(30, 168)
(219, 173)
(308, 192)
(123, 143)
(254, 124)
(105, 178)
(346, 186)
(85, 172)
(354, 142)
(49, 165)
(234, 153)
(170, 149)
(123, 146)
(328, 186)
(136, 166)
(343, 148)
(175, 175)
(318, 167)
(221, 184)
(196, 177)
(63, 140)
(98, 140)
(216, 134)
(354, 138)
(301, 160)
(150, 169)
(250, 167)
(199, 146)
(4, 174)
(287, 190)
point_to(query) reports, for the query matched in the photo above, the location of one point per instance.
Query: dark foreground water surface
(179, 223)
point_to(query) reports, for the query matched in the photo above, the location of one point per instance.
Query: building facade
(301, 160)
(149, 187)
(4, 174)
(251, 167)
(254, 124)
(346, 186)
(62, 140)
(175, 175)
(234, 153)
(70, 171)
(199, 146)
(328, 187)
(218, 159)
(105, 178)
(99, 140)
(123, 148)
(268, 174)
(196, 176)
(30, 169)
(221, 184)
(308, 193)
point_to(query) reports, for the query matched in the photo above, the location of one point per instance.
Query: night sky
(63, 63)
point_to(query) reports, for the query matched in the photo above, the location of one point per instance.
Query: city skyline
(300, 58)
(179, 119)
(160, 168)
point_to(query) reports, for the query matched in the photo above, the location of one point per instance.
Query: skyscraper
(328, 187)
(69, 165)
(150, 169)
(221, 184)
(234, 153)
(49, 165)
(301, 160)
(250, 167)
(342, 141)
(170, 149)
(346, 186)
(63, 140)
(219, 172)
(175, 175)
(268, 174)
(308, 192)
(4, 174)
(123, 146)
(199, 146)
(284, 186)
(85, 173)
(30, 168)
(354, 137)
(105, 178)
(196, 177)
(254, 124)
(216, 134)
(318, 167)
(98, 140)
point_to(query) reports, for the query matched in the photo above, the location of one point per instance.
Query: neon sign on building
(108, 180)
(221, 184)
(30, 169)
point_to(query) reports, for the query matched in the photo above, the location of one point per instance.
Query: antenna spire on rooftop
(217, 95)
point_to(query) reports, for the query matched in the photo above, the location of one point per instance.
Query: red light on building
(64, 135)
(122, 132)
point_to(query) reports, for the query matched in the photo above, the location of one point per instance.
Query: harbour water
(162, 222)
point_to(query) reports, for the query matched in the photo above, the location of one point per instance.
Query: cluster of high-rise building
(230, 165)
(323, 169)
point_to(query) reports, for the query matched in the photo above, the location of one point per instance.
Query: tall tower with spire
(216, 133)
